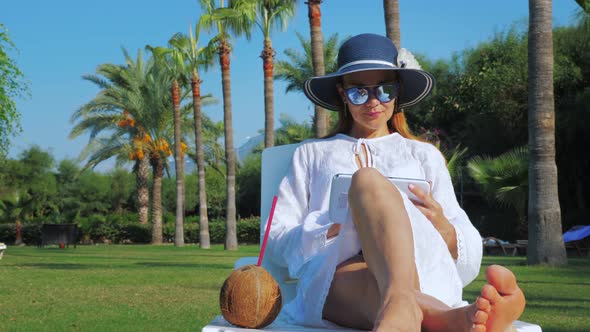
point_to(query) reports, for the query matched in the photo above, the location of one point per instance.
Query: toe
(502, 279)
(482, 304)
(480, 317)
(490, 293)
(478, 328)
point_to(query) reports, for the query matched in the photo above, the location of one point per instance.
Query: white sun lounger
(275, 163)
(2, 248)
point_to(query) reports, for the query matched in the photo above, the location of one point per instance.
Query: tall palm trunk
(546, 242)
(178, 161)
(158, 171)
(231, 239)
(268, 55)
(143, 193)
(204, 241)
(392, 25)
(317, 54)
(19, 235)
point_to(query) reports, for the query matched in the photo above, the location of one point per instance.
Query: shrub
(249, 230)
(217, 231)
(7, 233)
(124, 228)
(137, 233)
(31, 234)
(191, 233)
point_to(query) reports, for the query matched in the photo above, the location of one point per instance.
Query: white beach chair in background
(275, 163)
(2, 248)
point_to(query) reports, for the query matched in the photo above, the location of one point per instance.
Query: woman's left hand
(434, 212)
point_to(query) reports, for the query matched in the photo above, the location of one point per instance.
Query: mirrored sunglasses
(359, 95)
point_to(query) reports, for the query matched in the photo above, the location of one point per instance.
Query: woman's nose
(372, 101)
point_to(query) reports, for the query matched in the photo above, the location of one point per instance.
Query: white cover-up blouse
(297, 239)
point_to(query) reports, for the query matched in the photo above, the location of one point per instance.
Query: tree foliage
(12, 87)
(299, 65)
(480, 102)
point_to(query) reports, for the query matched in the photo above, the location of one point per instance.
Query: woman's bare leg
(354, 301)
(385, 234)
(383, 293)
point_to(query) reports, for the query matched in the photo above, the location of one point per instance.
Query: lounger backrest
(275, 163)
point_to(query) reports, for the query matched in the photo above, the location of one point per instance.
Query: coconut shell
(250, 297)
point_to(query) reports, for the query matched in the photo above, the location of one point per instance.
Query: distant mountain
(246, 149)
(189, 165)
(241, 153)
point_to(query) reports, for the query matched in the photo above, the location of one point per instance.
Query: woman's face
(370, 118)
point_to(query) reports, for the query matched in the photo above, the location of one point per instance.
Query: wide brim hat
(363, 53)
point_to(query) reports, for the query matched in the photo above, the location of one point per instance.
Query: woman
(416, 257)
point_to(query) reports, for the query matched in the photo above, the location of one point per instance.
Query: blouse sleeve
(469, 244)
(297, 234)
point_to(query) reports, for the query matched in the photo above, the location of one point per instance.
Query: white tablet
(339, 193)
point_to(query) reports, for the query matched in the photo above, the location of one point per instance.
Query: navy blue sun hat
(363, 53)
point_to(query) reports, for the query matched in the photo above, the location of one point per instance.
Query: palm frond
(503, 179)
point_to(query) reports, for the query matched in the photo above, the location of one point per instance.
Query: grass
(154, 288)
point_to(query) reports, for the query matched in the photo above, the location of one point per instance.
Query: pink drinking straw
(272, 212)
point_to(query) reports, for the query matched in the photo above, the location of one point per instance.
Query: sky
(60, 41)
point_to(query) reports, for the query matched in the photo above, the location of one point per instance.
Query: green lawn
(145, 288)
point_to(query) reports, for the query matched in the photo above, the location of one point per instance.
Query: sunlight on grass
(154, 288)
(113, 287)
(558, 299)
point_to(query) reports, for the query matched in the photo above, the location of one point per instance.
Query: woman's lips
(372, 114)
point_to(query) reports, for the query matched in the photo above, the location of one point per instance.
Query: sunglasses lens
(386, 93)
(360, 95)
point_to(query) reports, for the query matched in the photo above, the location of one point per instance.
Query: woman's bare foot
(505, 297)
(440, 317)
(500, 304)
(399, 313)
(476, 315)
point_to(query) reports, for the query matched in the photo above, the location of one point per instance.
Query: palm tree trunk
(158, 170)
(392, 25)
(204, 241)
(179, 225)
(545, 239)
(317, 53)
(267, 56)
(143, 192)
(19, 235)
(231, 239)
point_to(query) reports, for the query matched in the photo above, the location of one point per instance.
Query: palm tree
(13, 207)
(173, 59)
(291, 131)
(317, 52)
(391, 10)
(271, 13)
(214, 154)
(299, 66)
(504, 179)
(235, 18)
(160, 124)
(455, 157)
(197, 57)
(117, 107)
(133, 109)
(546, 242)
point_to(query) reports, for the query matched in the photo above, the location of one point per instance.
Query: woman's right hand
(333, 230)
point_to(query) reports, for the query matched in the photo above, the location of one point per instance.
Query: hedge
(125, 229)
